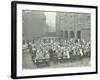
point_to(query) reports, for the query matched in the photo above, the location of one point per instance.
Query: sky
(51, 20)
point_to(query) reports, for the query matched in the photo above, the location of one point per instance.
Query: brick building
(73, 25)
(34, 24)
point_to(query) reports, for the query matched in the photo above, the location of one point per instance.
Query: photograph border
(14, 38)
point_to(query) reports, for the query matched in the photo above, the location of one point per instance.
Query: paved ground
(28, 63)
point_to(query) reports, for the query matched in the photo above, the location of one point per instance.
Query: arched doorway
(72, 34)
(61, 34)
(66, 34)
(78, 34)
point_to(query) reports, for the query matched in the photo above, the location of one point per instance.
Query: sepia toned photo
(55, 39)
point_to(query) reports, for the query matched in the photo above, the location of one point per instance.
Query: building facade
(73, 25)
(34, 24)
